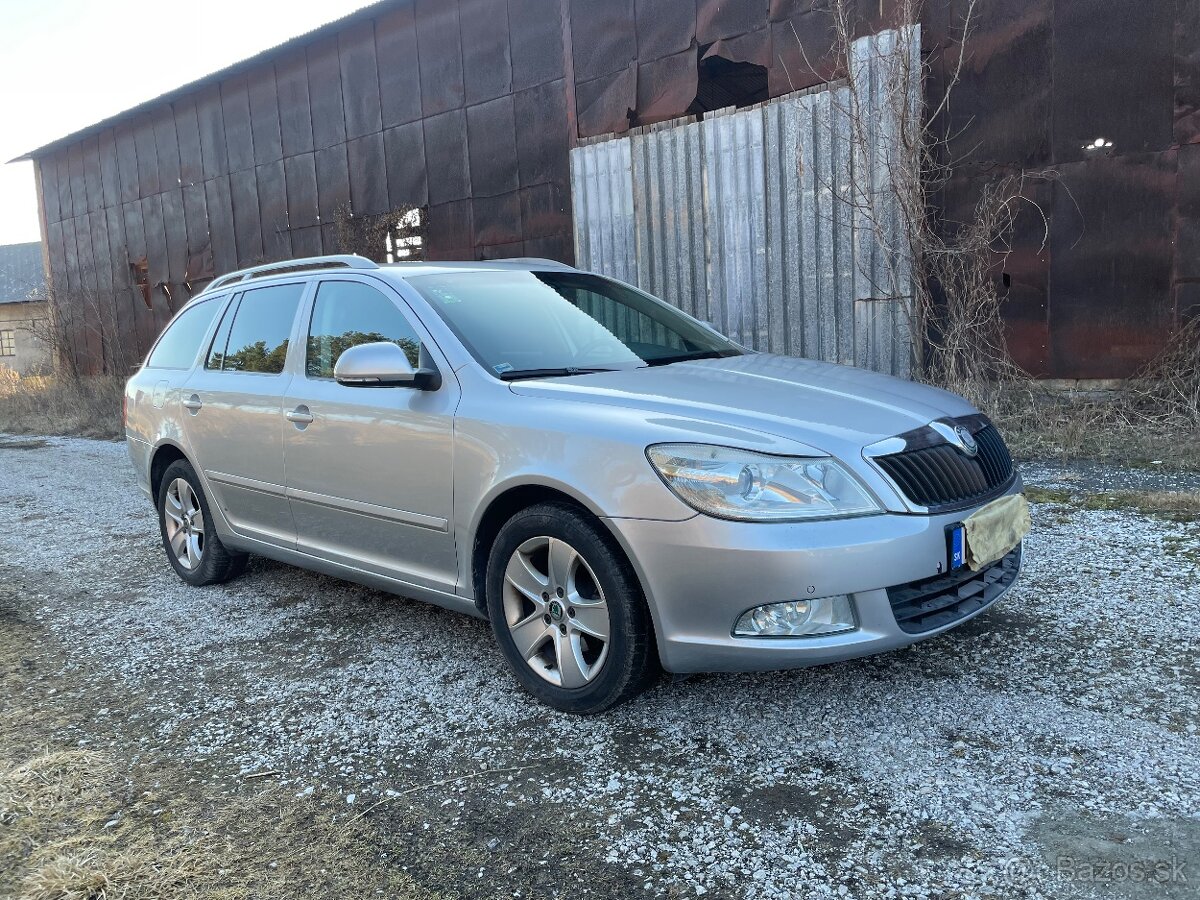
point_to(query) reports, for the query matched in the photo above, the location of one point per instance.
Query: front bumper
(702, 573)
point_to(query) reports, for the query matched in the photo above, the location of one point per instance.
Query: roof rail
(340, 260)
(534, 260)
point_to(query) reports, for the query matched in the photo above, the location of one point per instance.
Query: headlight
(755, 487)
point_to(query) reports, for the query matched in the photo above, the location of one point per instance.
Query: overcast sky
(65, 64)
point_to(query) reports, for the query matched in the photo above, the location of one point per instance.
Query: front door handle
(193, 404)
(300, 416)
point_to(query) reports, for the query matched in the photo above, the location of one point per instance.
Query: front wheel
(568, 612)
(193, 547)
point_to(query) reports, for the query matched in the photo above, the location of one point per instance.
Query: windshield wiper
(518, 374)
(684, 357)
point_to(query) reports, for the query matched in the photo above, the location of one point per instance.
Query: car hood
(831, 408)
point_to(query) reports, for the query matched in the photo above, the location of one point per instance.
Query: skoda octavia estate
(614, 485)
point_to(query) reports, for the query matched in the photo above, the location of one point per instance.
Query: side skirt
(349, 573)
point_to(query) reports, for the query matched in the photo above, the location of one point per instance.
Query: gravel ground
(1048, 748)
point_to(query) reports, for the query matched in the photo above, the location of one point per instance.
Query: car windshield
(521, 324)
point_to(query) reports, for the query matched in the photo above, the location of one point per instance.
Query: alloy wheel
(184, 521)
(556, 612)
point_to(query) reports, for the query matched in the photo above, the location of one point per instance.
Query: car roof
(325, 265)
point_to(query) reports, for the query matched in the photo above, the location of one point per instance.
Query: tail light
(124, 410)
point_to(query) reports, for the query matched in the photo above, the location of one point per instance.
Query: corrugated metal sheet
(668, 172)
(882, 268)
(736, 226)
(765, 221)
(809, 288)
(602, 191)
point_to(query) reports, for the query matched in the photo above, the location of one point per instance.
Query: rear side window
(178, 346)
(254, 335)
(349, 313)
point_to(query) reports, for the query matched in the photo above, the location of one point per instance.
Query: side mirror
(382, 364)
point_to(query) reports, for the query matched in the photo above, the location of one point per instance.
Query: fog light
(798, 618)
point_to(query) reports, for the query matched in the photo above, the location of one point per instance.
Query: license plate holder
(999, 527)
(956, 546)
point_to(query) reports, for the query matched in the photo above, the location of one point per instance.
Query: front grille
(931, 603)
(940, 477)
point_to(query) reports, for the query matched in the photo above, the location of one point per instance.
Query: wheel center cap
(556, 610)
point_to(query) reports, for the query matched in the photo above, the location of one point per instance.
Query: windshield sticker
(501, 368)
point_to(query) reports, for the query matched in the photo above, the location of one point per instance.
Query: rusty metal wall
(192, 181)
(252, 165)
(765, 221)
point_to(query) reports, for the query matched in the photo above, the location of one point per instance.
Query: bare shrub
(84, 407)
(948, 269)
(82, 323)
(1167, 390)
(10, 382)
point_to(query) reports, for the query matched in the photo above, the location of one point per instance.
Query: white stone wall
(32, 356)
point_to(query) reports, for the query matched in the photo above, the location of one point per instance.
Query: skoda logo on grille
(966, 441)
(958, 436)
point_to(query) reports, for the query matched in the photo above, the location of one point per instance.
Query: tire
(189, 538)
(556, 643)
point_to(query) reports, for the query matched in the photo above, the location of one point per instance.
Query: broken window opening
(394, 236)
(405, 240)
(139, 271)
(722, 83)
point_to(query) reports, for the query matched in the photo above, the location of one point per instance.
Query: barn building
(463, 116)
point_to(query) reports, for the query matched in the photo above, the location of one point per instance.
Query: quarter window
(178, 346)
(349, 313)
(256, 336)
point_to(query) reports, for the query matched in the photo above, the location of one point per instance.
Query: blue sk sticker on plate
(958, 547)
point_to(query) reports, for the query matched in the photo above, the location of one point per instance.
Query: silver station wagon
(618, 488)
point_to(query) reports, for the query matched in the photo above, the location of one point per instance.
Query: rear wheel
(193, 547)
(567, 611)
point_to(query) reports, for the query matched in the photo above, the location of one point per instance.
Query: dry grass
(76, 824)
(73, 828)
(1042, 424)
(1174, 506)
(1167, 391)
(84, 407)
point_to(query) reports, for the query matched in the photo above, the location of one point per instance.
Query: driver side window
(348, 313)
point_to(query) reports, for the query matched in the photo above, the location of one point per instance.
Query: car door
(234, 418)
(370, 469)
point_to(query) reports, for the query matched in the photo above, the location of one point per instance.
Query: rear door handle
(193, 403)
(300, 415)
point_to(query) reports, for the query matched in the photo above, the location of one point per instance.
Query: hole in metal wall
(722, 83)
(139, 271)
